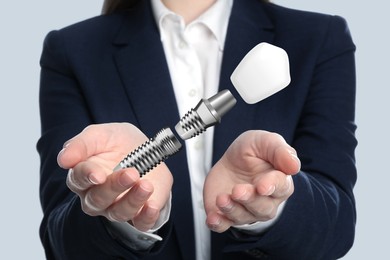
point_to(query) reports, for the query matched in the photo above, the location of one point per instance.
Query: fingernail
(125, 180)
(143, 192)
(59, 157)
(289, 181)
(62, 151)
(151, 212)
(294, 156)
(270, 191)
(66, 144)
(92, 179)
(243, 196)
(228, 207)
(145, 189)
(215, 224)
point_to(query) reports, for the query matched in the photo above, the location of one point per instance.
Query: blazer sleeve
(66, 232)
(318, 220)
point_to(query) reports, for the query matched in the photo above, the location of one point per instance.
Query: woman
(146, 63)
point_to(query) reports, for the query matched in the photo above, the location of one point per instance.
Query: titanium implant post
(208, 112)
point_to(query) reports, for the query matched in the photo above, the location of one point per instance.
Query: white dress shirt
(194, 54)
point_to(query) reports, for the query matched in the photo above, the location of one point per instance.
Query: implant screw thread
(191, 122)
(207, 113)
(152, 152)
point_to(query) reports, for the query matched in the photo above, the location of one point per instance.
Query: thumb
(285, 159)
(97, 139)
(273, 148)
(80, 147)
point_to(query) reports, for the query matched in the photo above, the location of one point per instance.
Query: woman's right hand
(120, 196)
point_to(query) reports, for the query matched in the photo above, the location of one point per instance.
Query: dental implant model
(208, 112)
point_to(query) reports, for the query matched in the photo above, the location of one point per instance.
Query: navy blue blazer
(112, 69)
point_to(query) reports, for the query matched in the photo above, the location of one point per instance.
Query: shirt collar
(216, 18)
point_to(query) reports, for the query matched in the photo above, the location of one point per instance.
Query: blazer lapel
(142, 65)
(143, 68)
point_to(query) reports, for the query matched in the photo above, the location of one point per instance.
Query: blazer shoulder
(306, 28)
(88, 36)
(290, 19)
(99, 29)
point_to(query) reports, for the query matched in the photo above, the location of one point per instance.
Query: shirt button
(182, 44)
(192, 93)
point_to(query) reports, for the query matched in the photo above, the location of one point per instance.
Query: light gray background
(23, 26)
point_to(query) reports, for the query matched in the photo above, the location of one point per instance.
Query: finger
(284, 187)
(275, 184)
(84, 176)
(261, 207)
(217, 222)
(147, 217)
(127, 207)
(100, 197)
(236, 212)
